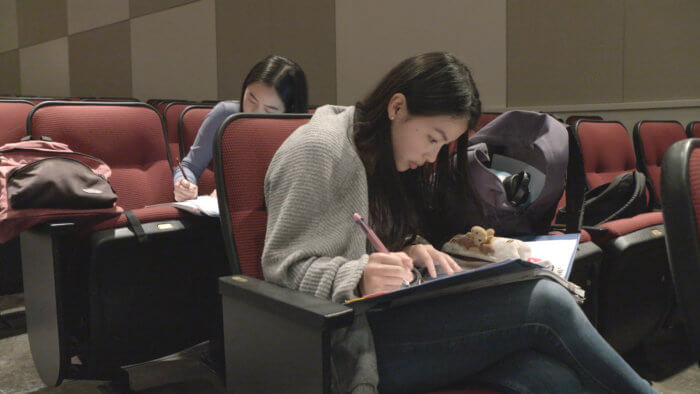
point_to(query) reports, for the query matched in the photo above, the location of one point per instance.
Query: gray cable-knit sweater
(314, 184)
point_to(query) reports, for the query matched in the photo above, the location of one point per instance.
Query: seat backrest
(693, 129)
(190, 121)
(13, 120)
(572, 119)
(485, 118)
(243, 149)
(651, 140)
(680, 189)
(606, 149)
(129, 137)
(171, 114)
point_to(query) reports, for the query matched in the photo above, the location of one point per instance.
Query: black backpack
(624, 197)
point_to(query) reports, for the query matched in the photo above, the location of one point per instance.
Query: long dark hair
(285, 76)
(402, 204)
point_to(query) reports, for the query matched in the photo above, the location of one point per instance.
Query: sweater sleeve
(311, 243)
(200, 153)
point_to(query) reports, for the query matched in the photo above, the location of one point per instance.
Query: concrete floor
(179, 373)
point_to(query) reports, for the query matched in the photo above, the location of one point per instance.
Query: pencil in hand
(179, 165)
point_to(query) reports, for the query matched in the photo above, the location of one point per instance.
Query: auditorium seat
(171, 113)
(693, 129)
(651, 140)
(680, 189)
(13, 126)
(292, 327)
(485, 118)
(118, 291)
(634, 290)
(572, 119)
(190, 121)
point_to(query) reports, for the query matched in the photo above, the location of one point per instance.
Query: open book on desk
(559, 258)
(202, 206)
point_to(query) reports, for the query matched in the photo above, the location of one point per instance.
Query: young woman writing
(274, 85)
(386, 159)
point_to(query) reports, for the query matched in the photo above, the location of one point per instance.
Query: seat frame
(683, 253)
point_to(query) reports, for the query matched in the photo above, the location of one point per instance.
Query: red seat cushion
(619, 227)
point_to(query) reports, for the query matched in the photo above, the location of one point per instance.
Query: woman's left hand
(426, 256)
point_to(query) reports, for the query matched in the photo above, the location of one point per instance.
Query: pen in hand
(374, 240)
(179, 165)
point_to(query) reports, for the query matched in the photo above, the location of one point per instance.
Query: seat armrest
(300, 307)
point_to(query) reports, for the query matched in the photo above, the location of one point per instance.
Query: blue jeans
(523, 337)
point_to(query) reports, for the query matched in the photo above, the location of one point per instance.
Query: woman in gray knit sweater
(371, 159)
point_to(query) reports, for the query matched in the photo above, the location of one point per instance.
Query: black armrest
(301, 307)
(272, 331)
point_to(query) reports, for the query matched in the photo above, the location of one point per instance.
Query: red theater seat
(572, 119)
(110, 294)
(693, 129)
(171, 113)
(634, 296)
(680, 189)
(190, 121)
(651, 140)
(13, 126)
(293, 327)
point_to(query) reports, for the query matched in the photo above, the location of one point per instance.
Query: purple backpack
(517, 173)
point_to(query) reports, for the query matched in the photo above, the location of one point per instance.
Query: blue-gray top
(201, 152)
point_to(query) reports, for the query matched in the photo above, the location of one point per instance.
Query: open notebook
(202, 206)
(552, 257)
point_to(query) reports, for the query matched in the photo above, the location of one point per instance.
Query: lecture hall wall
(622, 59)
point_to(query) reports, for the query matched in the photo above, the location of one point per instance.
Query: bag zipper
(13, 171)
(50, 151)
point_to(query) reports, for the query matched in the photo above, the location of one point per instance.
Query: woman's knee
(550, 302)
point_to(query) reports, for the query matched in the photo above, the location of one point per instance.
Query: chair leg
(42, 287)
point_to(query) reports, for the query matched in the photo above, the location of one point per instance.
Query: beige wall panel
(173, 53)
(565, 52)
(8, 25)
(9, 73)
(302, 30)
(662, 50)
(100, 62)
(144, 7)
(40, 20)
(44, 69)
(373, 36)
(89, 14)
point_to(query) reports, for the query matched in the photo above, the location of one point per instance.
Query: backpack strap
(135, 226)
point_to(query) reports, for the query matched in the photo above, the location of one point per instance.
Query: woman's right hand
(386, 272)
(185, 190)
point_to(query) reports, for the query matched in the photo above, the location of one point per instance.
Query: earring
(391, 118)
